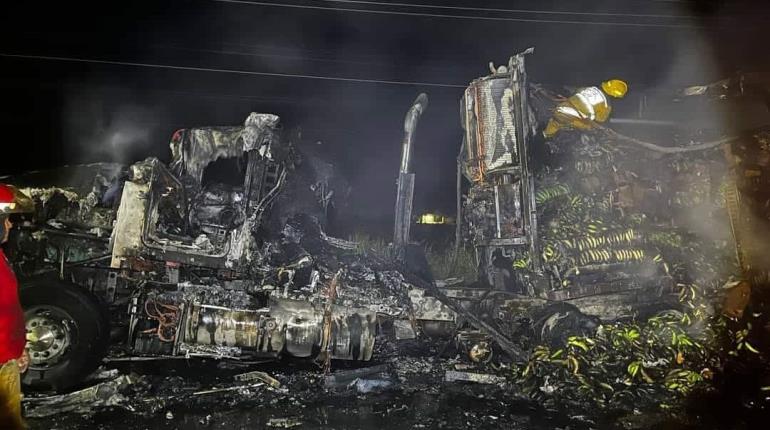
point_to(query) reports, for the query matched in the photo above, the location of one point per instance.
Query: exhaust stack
(405, 184)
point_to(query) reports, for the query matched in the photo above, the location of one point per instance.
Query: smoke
(360, 124)
(99, 128)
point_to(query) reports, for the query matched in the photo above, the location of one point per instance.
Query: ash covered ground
(416, 396)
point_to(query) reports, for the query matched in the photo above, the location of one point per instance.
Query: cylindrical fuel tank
(254, 330)
(350, 336)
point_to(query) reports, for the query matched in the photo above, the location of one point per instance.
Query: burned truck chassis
(179, 276)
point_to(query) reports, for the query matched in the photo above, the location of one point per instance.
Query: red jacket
(12, 331)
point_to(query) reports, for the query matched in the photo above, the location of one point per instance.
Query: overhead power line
(521, 11)
(306, 58)
(463, 17)
(280, 56)
(230, 71)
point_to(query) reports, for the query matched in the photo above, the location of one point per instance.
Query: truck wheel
(67, 334)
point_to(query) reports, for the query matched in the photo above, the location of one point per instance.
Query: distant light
(430, 218)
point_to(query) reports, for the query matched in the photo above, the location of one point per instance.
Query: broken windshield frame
(152, 238)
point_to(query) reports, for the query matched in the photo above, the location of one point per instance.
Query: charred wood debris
(189, 255)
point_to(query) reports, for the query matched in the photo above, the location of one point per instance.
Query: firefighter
(586, 107)
(13, 354)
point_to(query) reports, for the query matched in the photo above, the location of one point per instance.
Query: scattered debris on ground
(102, 395)
(284, 423)
(260, 376)
(479, 378)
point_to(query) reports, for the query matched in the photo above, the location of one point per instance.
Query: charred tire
(67, 334)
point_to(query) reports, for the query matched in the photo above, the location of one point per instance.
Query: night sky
(65, 100)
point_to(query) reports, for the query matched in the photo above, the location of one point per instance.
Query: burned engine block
(200, 320)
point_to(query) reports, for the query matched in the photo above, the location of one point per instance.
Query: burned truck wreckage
(186, 257)
(223, 252)
(535, 222)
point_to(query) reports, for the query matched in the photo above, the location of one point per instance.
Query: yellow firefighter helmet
(615, 88)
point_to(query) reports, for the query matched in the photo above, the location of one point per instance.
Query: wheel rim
(50, 332)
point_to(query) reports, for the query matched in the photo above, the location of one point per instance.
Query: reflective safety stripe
(589, 107)
(591, 97)
(594, 95)
(10, 396)
(568, 110)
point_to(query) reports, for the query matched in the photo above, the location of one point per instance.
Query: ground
(422, 400)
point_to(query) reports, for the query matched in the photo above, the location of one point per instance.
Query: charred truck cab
(169, 260)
